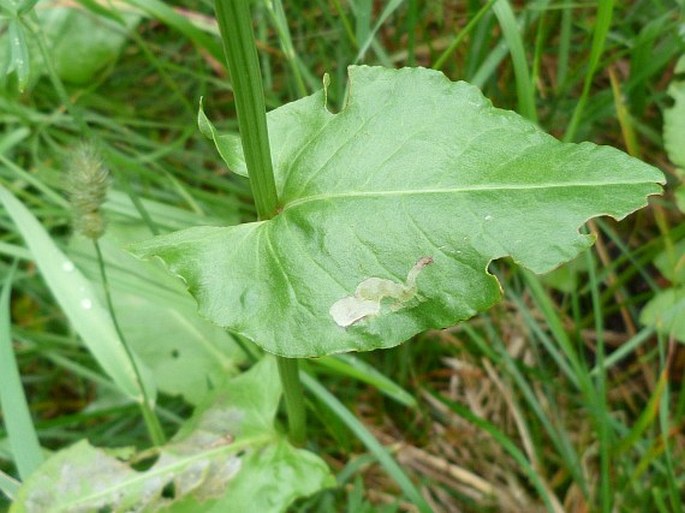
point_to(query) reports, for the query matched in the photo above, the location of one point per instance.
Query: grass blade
(389, 9)
(599, 36)
(600, 407)
(512, 35)
(21, 432)
(373, 445)
(508, 445)
(348, 365)
(440, 62)
(167, 15)
(8, 485)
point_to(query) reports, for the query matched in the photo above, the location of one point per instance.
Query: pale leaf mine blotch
(366, 301)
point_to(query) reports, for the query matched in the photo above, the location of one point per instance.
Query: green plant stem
(235, 25)
(146, 407)
(294, 400)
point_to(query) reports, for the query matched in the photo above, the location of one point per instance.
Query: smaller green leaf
(674, 119)
(228, 145)
(680, 198)
(671, 263)
(8, 485)
(666, 312)
(227, 458)
(566, 278)
(80, 42)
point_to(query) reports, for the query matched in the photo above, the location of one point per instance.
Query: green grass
(558, 398)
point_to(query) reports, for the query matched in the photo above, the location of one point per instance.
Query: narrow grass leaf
(166, 14)
(626, 349)
(647, 417)
(371, 443)
(666, 428)
(390, 7)
(21, 432)
(624, 118)
(602, 24)
(559, 437)
(8, 485)
(599, 400)
(351, 366)
(512, 36)
(508, 445)
(440, 61)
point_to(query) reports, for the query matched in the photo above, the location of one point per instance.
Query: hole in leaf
(145, 462)
(169, 490)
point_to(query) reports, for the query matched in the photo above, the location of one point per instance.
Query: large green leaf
(227, 458)
(391, 211)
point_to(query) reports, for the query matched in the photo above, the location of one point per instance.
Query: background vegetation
(568, 396)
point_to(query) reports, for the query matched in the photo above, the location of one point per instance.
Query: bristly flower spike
(87, 182)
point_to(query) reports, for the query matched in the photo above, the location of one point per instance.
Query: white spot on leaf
(366, 301)
(68, 266)
(86, 304)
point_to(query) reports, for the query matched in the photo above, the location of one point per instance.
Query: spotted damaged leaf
(227, 458)
(413, 167)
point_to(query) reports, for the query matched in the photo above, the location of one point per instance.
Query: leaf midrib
(252, 442)
(452, 190)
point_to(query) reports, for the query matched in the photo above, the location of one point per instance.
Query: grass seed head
(87, 182)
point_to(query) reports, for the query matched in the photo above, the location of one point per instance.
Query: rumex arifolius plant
(414, 168)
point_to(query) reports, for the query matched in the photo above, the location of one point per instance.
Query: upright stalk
(235, 25)
(152, 423)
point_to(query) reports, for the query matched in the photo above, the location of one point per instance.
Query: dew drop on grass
(68, 266)
(86, 304)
